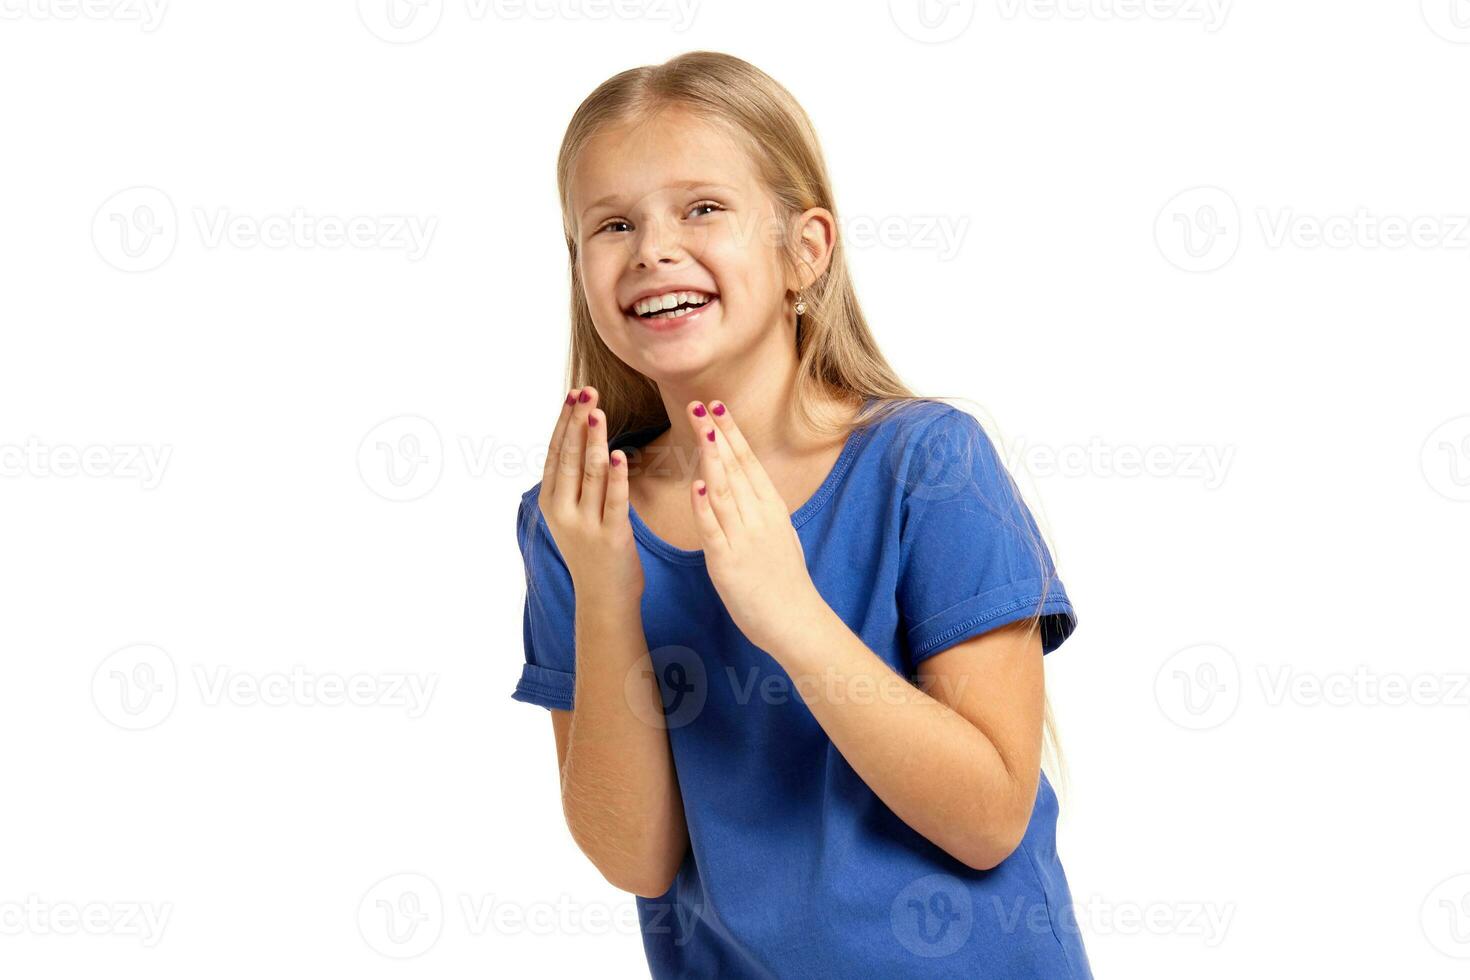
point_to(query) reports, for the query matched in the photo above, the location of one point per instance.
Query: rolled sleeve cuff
(991, 610)
(545, 686)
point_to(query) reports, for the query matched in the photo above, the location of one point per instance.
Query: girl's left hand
(751, 548)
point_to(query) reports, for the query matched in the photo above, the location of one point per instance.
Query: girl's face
(673, 205)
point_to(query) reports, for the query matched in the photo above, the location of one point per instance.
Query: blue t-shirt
(917, 539)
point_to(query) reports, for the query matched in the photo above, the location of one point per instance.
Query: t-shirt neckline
(814, 503)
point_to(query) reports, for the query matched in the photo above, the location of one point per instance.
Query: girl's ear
(815, 235)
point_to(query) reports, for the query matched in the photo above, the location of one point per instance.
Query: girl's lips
(665, 324)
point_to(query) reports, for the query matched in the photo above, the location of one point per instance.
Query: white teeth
(668, 301)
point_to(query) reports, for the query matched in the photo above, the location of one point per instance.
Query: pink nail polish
(701, 490)
(584, 397)
(570, 399)
(719, 408)
(710, 435)
(592, 421)
(699, 411)
(614, 460)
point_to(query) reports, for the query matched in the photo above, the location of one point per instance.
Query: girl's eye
(608, 225)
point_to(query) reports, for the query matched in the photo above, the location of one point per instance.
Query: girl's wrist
(609, 597)
(800, 629)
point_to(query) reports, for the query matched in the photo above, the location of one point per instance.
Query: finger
(721, 495)
(745, 461)
(594, 466)
(735, 484)
(710, 531)
(573, 446)
(553, 446)
(615, 511)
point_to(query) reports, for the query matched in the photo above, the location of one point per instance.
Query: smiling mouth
(676, 312)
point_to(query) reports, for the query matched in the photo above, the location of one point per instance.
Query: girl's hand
(584, 498)
(751, 548)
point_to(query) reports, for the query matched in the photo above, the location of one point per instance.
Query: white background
(1249, 794)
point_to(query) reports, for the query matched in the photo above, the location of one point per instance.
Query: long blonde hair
(837, 356)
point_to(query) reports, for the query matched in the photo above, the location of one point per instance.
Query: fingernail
(592, 421)
(614, 460)
(584, 397)
(699, 411)
(718, 408)
(571, 397)
(710, 435)
(701, 490)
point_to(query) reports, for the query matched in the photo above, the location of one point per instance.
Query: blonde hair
(837, 356)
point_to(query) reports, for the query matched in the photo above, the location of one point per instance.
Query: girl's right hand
(584, 498)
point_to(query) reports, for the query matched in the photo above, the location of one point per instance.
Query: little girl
(789, 617)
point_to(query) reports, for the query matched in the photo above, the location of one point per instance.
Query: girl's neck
(759, 404)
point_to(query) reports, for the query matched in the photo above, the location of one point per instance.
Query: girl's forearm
(937, 771)
(619, 791)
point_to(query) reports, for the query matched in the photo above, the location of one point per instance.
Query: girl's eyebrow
(685, 185)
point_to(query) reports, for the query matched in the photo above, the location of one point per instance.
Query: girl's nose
(656, 241)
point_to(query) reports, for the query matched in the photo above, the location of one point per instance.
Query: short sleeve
(971, 556)
(547, 623)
